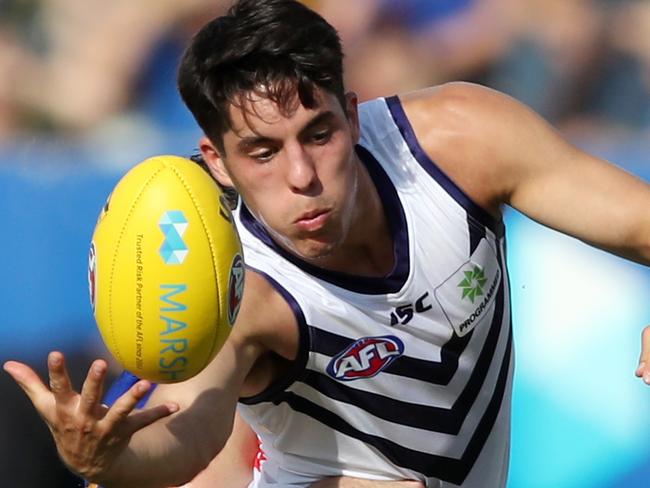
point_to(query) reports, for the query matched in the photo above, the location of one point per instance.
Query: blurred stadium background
(87, 90)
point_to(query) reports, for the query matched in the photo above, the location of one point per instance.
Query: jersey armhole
(297, 368)
(473, 209)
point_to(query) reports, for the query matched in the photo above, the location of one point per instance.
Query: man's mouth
(313, 220)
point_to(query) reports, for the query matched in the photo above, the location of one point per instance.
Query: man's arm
(151, 447)
(176, 449)
(499, 151)
(169, 443)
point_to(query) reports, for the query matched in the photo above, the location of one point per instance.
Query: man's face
(297, 172)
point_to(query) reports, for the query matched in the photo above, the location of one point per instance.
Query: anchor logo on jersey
(365, 358)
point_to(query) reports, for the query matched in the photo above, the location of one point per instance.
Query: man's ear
(214, 160)
(352, 112)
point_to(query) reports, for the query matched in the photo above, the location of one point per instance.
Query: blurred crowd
(68, 67)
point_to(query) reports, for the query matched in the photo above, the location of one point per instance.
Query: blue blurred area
(578, 410)
(50, 199)
(579, 415)
(50, 216)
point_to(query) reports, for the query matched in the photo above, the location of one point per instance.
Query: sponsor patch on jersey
(467, 296)
(366, 358)
(235, 287)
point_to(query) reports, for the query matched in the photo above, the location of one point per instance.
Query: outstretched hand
(89, 436)
(643, 370)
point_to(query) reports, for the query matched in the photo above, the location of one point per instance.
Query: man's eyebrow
(319, 119)
(253, 141)
(248, 142)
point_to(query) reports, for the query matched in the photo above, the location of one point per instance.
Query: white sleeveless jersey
(403, 377)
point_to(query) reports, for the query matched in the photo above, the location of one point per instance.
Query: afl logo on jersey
(366, 358)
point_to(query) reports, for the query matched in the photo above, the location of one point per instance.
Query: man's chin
(314, 251)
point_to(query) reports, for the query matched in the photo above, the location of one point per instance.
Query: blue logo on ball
(173, 225)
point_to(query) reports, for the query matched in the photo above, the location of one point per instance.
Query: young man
(374, 338)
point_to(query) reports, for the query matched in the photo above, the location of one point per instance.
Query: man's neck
(367, 249)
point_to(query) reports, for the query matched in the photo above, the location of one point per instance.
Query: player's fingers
(60, 384)
(32, 385)
(92, 389)
(643, 370)
(125, 404)
(101, 409)
(142, 418)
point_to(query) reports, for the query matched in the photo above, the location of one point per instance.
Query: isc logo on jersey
(366, 358)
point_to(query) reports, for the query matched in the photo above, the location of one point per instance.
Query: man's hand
(347, 482)
(643, 370)
(89, 436)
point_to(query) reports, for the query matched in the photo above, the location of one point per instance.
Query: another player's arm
(233, 466)
(118, 447)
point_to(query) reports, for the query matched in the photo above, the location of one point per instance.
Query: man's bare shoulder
(463, 128)
(445, 113)
(483, 139)
(457, 96)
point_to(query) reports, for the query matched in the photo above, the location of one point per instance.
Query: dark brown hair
(272, 48)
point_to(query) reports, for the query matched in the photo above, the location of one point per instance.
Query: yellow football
(165, 270)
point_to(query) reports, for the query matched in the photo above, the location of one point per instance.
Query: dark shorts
(121, 385)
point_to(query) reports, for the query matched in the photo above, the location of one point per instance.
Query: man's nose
(301, 170)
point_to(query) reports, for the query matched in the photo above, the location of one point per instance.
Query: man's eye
(322, 136)
(263, 155)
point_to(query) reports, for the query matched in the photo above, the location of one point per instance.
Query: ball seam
(210, 241)
(117, 246)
